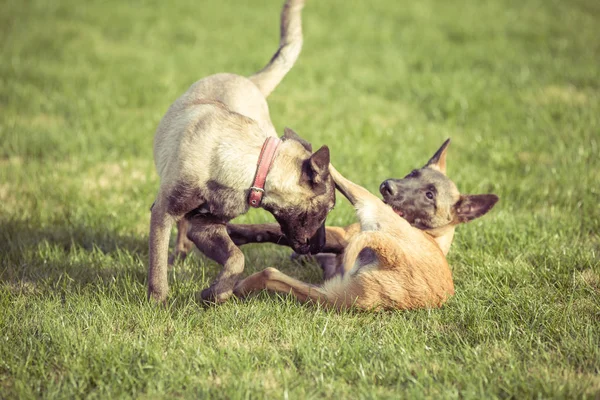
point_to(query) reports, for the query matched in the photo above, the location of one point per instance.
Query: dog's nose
(387, 188)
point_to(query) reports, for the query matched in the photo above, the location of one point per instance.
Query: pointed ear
(317, 166)
(289, 134)
(438, 161)
(473, 206)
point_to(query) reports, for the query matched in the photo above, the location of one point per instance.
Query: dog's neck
(232, 172)
(238, 160)
(443, 236)
(282, 183)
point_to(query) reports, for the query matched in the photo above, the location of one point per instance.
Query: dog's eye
(429, 195)
(412, 174)
(330, 210)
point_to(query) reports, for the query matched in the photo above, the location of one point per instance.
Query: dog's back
(237, 93)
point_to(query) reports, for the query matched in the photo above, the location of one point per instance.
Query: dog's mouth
(396, 209)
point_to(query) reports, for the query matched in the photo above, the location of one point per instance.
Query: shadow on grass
(62, 258)
(68, 255)
(23, 234)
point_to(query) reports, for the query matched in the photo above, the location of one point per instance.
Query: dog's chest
(223, 202)
(213, 199)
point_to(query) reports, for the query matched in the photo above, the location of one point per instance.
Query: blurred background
(514, 83)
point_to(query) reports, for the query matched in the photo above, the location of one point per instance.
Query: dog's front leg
(160, 229)
(256, 233)
(356, 194)
(335, 242)
(211, 238)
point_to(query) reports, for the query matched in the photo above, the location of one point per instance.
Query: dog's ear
(289, 134)
(316, 167)
(438, 161)
(471, 206)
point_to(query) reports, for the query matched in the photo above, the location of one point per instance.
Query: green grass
(515, 84)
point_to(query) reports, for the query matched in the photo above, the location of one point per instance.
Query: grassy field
(515, 84)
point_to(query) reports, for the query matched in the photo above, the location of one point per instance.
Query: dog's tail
(290, 44)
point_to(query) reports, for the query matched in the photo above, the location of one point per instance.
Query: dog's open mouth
(396, 210)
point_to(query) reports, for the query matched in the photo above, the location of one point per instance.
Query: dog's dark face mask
(303, 223)
(300, 236)
(428, 199)
(426, 196)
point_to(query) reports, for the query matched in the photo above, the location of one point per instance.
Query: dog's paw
(239, 291)
(172, 260)
(214, 296)
(157, 297)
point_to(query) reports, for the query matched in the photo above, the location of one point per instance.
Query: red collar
(265, 160)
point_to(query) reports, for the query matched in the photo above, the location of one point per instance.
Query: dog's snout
(387, 187)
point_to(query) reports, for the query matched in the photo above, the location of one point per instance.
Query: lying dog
(398, 258)
(206, 151)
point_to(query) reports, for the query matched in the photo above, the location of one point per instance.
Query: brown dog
(217, 153)
(391, 264)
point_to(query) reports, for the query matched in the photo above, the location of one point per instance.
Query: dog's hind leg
(277, 281)
(183, 245)
(211, 238)
(330, 264)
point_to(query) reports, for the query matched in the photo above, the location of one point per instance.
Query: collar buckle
(265, 161)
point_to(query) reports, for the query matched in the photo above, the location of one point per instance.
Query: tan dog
(391, 264)
(206, 152)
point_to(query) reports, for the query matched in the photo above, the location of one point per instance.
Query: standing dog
(398, 258)
(206, 151)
